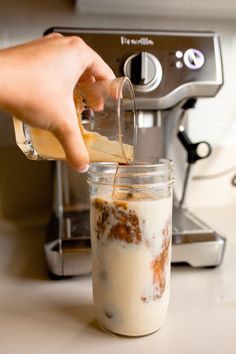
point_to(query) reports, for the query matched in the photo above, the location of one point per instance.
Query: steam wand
(195, 151)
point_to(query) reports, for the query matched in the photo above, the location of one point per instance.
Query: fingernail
(83, 169)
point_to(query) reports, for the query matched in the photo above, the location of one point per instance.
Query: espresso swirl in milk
(131, 262)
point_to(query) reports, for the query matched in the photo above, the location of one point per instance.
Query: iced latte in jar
(131, 218)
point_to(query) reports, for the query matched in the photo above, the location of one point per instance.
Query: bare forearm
(6, 81)
(17, 79)
(37, 81)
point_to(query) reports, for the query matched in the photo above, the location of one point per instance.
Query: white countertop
(42, 316)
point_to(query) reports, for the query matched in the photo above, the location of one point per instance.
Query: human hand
(37, 85)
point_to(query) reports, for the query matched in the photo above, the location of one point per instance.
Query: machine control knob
(194, 59)
(203, 149)
(195, 151)
(144, 71)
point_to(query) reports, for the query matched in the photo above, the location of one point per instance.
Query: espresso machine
(170, 71)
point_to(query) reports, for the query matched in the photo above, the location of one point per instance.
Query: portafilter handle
(195, 151)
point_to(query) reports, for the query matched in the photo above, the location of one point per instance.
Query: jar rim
(136, 174)
(156, 165)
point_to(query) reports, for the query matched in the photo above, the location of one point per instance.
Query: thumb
(72, 142)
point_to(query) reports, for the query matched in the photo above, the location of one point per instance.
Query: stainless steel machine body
(169, 71)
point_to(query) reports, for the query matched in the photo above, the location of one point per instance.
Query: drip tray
(68, 245)
(194, 242)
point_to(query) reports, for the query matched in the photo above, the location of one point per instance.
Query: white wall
(213, 120)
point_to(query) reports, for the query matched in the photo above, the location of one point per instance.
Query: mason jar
(131, 228)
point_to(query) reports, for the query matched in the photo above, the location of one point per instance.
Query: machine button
(179, 54)
(179, 64)
(194, 59)
(144, 71)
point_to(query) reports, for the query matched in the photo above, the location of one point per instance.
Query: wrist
(9, 83)
(4, 82)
